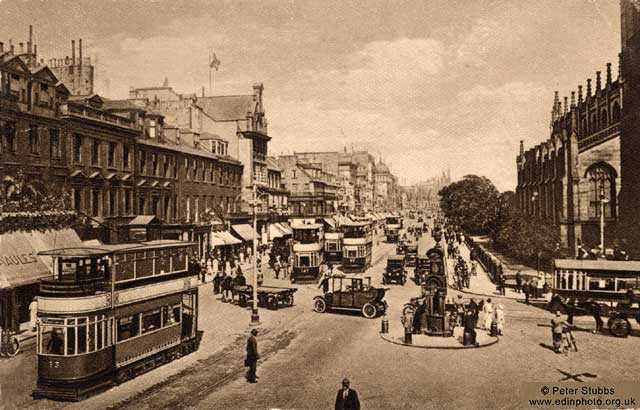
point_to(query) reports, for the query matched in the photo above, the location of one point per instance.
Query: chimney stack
(21, 47)
(608, 75)
(73, 51)
(80, 51)
(598, 81)
(573, 99)
(30, 43)
(521, 147)
(588, 88)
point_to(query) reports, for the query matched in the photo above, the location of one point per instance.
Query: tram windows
(151, 321)
(51, 332)
(81, 336)
(352, 253)
(170, 315)
(128, 327)
(603, 284)
(305, 261)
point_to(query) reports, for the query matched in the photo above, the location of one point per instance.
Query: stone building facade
(565, 178)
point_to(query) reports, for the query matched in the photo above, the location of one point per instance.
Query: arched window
(615, 117)
(604, 119)
(602, 181)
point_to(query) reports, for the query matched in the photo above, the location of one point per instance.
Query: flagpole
(210, 86)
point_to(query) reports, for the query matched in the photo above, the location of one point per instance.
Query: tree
(471, 203)
(30, 202)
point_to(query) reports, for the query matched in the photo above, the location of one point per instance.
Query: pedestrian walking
(33, 313)
(276, 267)
(285, 268)
(227, 285)
(347, 399)
(249, 254)
(499, 318)
(533, 288)
(597, 312)
(518, 281)
(487, 311)
(526, 289)
(407, 322)
(503, 282)
(251, 361)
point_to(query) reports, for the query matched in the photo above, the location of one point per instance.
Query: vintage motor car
(395, 272)
(411, 253)
(350, 293)
(422, 269)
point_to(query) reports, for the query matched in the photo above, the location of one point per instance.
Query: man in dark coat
(518, 281)
(252, 356)
(347, 399)
(526, 289)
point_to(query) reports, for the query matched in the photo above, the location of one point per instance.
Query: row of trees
(475, 205)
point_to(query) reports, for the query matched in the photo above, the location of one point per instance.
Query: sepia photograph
(310, 205)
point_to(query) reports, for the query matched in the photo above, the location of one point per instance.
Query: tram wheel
(369, 311)
(619, 327)
(319, 305)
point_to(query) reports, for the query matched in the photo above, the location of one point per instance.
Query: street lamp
(534, 198)
(603, 201)
(255, 317)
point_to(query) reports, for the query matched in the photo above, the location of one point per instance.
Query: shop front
(21, 270)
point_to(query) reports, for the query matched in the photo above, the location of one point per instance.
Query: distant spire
(579, 94)
(566, 105)
(608, 75)
(588, 88)
(573, 99)
(165, 83)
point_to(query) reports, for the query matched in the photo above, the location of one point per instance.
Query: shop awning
(286, 229)
(216, 240)
(19, 261)
(244, 231)
(330, 222)
(228, 238)
(275, 232)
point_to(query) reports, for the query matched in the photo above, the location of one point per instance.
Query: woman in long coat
(487, 311)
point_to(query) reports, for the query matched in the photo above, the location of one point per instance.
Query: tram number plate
(54, 364)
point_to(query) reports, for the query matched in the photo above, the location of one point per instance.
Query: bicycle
(9, 344)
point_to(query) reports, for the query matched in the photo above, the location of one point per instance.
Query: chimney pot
(21, 48)
(80, 51)
(73, 51)
(13, 48)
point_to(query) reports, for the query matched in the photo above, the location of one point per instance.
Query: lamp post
(255, 317)
(603, 201)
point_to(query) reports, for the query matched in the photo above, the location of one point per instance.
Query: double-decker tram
(333, 242)
(613, 284)
(392, 226)
(113, 312)
(357, 247)
(308, 251)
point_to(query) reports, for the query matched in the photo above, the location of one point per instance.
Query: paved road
(305, 362)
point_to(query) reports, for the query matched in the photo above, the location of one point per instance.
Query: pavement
(422, 341)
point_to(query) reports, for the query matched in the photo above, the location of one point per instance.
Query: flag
(215, 63)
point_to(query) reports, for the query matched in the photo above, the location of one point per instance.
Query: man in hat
(347, 399)
(556, 331)
(252, 356)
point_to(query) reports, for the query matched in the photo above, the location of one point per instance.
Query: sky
(427, 85)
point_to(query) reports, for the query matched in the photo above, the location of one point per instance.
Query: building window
(112, 203)
(154, 163)
(111, 156)
(155, 202)
(188, 209)
(152, 128)
(143, 162)
(95, 203)
(186, 169)
(127, 201)
(125, 157)
(76, 193)
(55, 147)
(167, 211)
(33, 140)
(142, 204)
(196, 209)
(602, 181)
(165, 167)
(9, 137)
(95, 152)
(175, 167)
(77, 148)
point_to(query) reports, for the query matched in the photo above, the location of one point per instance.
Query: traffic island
(422, 341)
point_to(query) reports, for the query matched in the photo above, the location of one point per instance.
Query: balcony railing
(83, 111)
(72, 286)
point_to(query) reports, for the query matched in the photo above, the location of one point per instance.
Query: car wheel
(369, 311)
(319, 305)
(272, 303)
(287, 300)
(619, 327)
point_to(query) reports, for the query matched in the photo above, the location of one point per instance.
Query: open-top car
(422, 269)
(395, 272)
(350, 293)
(411, 253)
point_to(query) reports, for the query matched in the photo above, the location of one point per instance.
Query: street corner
(455, 342)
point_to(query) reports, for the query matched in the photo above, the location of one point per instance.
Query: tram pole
(602, 202)
(255, 317)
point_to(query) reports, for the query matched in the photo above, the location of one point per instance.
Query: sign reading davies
(18, 259)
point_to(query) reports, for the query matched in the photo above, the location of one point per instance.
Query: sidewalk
(481, 284)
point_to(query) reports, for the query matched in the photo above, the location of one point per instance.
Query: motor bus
(308, 251)
(357, 246)
(112, 312)
(392, 226)
(614, 285)
(333, 247)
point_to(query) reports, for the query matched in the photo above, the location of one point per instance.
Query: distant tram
(113, 312)
(392, 226)
(616, 283)
(333, 242)
(358, 246)
(308, 252)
